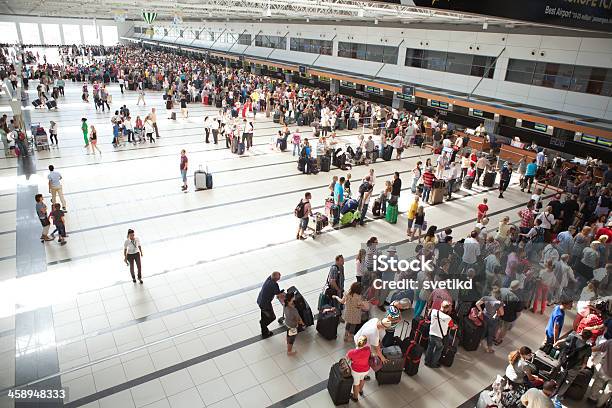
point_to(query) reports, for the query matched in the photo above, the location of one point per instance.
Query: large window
(51, 34)
(29, 33)
(577, 78)
(368, 52)
(312, 46)
(110, 35)
(9, 32)
(91, 35)
(244, 39)
(271, 41)
(464, 64)
(72, 34)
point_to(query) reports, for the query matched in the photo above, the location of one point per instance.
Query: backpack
(539, 236)
(573, 356)
(299, 210)
(365, 186)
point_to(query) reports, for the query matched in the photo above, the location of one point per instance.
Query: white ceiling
(198, 10)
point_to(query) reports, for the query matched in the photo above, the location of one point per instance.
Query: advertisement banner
(584, 14)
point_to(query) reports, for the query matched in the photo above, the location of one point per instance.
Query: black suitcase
(471, 335)
(548, 367)
(387, 153)
(375, 154)
(449, 349)
(283, 145)
(489, 179)
(376, 208)
(36, 103)
(396, 359)
(335, 214)
(218, 102)
(467, 182)
(302, 307)
(580, 385)
(352, 124)
(339, 387)
(420, 329)
(276, 118)
(412, 360)
(240, 148)
(327, 325)
(388, 377)
(325, 163)
(51, 104)
(302, 164)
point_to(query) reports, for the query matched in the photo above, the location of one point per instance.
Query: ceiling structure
(292, 10)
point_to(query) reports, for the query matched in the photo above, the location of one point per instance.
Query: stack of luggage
(349, 214)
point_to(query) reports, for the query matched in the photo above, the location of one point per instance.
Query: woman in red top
(360, 365)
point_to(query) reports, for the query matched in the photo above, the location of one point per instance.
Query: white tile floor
(206, 253)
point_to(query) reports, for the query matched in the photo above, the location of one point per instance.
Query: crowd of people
(556, 255)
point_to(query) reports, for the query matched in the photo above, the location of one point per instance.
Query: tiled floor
(189, 337)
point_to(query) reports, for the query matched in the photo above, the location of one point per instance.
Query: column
(61, 30)
(40, 34)
(81, 33)
(19, 33)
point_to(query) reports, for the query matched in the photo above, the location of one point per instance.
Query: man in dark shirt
(266, 295)
(396, 188)
(557, 206)
(570, 207)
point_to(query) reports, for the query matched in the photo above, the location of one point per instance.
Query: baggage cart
(316, 223)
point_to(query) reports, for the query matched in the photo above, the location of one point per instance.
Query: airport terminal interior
(164, 162)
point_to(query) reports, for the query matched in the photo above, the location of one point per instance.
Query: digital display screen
(478, 113)
(604, 142)
(347, 84)
(373, 89)
(439, 104)
(540, 127)
(589, 139)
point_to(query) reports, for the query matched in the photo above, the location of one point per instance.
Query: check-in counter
(514, 154)
(476, 142)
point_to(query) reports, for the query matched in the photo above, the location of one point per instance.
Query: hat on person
(393, 312)
(386, 322)
(515, 284)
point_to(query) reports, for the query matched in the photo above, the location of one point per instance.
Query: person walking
(132, 252)
(55, 186)
(153, 117)
(441, 324)
(85, 129)
(141, 95)
(53, 133)
(292, 320)
(505, 175)
(359, 358)
(58, 220)
(530, 172)
(93, 140)
(41, 211)
(416, 176)
(149, 129)
(121, 84)
(184, 166)
(184, 111)
(268, 292)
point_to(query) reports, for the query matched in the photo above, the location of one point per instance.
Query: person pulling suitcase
(439, 329)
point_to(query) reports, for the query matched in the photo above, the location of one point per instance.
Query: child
(419, 221)
(482, 210)
(58, 220)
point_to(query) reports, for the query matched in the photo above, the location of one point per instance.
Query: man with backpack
(575, 352)
(441, 324)
(365, 193)
(303, 211)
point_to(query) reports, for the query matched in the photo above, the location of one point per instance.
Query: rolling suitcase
(580, 385)
(173, 116)
(352, 124)
(388, 377)
(396, 359)
(327, 324)
(301, 164)
(420, 329)
(283, 145)
(302, 307)
(52, 104)
(240, 148)
(449, 349)
(376, 208)
(489, 179)
(467, 182)
(339, 386)
(375, 154)
(548, 367)
(437, 195)
(335, 214)
(276, 117)
(471, 335)
(202, 180)
(325, 163)
(412, 360)
(391, 214)
(387, 153)
(349, 205)
(376, 131)
(36, 103)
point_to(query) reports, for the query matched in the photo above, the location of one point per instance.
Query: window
(29, 33)
(368, 52)
(311, 46)
(9, 32)
(271, 41)
(91, 35)
(51, 34)
(110, 35)
(72, 34)
(244, 39)
(456, 63)
(592, 80)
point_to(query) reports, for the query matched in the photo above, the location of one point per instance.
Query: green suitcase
(391, 214)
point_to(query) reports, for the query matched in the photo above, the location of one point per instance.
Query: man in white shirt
(374, 329)
(55, 186)
(441, 323)
(535, 398)
(471, 249)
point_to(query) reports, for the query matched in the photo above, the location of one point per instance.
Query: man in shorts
(183, 167)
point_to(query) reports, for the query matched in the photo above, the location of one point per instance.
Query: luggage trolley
(41, 140)
(316, 223)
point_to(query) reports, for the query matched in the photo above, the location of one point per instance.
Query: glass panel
(51, 34)
(91, 35)
(29, 33)
(390, 55)
(344, 50)
(361, 51)
(9, 32)
(459, 63)
(72, 34)
(520, 77)
(435, 60)
(327, 47)
(374, 53)
(110, 35)
(521, 65)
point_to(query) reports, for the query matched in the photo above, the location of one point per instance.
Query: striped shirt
(428, 178)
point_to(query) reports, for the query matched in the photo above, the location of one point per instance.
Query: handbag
(476, 316)
(345, 368)
(424, 226)
(375, 363)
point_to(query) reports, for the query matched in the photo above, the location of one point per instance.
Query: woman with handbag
(354, 306)
(292, 321)
(359, 358)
